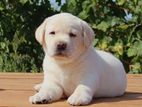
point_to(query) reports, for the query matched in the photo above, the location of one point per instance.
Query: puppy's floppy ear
(88, 34)
(40, 32)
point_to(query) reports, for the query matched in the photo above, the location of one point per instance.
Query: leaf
(2, 45)
(1, 60)
(104, 43)
(136, 1)
(1, 8)
(118, 47)
(103, 26)
(123, 27)
(139, 48)
(131, 52)
(135, 50)
(83, 15)
(23, 1)
(95, 42)
(121, 2)
(136, 67)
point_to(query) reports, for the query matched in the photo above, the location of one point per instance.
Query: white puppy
(71, 65)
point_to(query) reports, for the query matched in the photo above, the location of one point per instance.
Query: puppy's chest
(69, 82)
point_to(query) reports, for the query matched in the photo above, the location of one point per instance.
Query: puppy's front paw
(79, 98)
(40, 98)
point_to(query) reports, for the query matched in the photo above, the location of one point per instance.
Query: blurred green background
(117, 25)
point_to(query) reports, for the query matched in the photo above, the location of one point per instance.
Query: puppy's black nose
(61, 46)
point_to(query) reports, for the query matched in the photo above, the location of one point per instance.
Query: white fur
(84, 72)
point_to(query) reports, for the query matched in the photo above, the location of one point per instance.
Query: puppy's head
(64, 36)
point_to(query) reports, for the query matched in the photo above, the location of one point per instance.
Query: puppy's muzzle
(61, 48)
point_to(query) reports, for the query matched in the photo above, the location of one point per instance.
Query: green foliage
(117, 25)
(19, 50)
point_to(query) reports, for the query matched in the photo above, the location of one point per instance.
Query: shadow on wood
(126, 97)
(2, 89)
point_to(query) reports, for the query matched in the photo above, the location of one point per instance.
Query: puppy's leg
(37, 87)
(49, 92)
(84, 92)
(81, 96)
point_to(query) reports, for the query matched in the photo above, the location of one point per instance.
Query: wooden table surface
(15, 89)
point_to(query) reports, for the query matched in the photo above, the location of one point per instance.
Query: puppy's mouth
(60, 54)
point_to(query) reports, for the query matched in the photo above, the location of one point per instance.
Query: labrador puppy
(72, 67)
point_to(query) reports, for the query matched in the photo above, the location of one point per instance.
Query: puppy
(71, 65)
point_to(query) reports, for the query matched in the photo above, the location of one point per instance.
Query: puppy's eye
(72, 35)
(52, 33)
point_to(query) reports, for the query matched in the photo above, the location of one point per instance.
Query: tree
(117, 25)
(18, 20)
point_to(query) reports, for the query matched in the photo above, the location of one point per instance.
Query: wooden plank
(15, 89)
